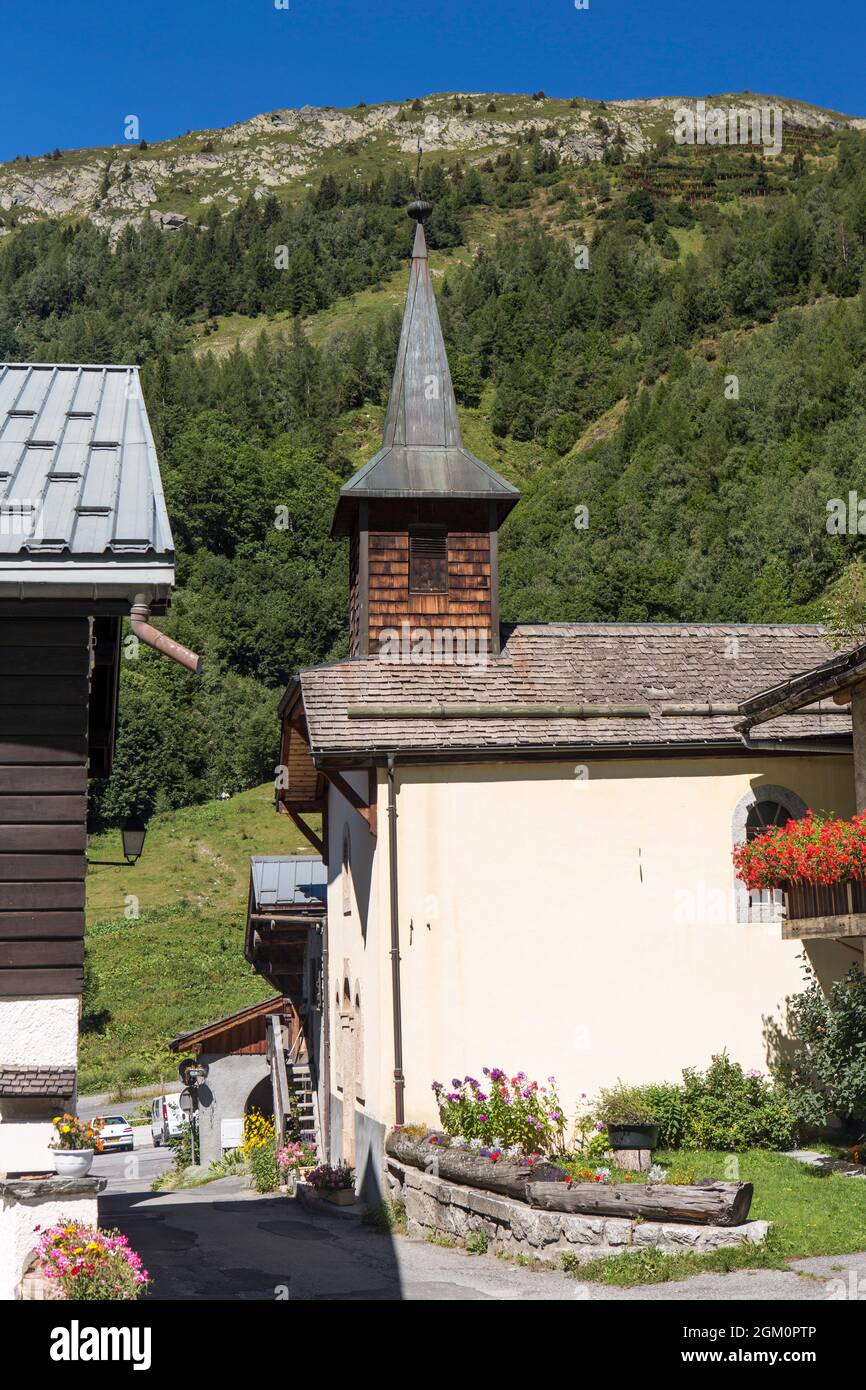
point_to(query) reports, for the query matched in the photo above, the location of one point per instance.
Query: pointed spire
(422, 410)
(422, 453)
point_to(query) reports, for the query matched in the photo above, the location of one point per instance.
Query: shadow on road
(221, 1243)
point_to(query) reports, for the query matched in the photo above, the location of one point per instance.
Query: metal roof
(422, 454)
(79, 477)
(291, 880)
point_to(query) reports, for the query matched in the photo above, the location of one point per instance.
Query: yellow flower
(64, 1129)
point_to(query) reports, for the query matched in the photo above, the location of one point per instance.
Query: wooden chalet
(84, 543)
(287, 943)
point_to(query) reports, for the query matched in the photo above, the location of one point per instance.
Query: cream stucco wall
(578, 925)
(34, 1032)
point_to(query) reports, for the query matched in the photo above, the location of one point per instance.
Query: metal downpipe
(399, 1079)
(160, 642)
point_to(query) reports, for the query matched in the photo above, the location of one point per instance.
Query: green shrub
(181, 1149)
(476, 1243)
(666, 1103)
(727, 1108)
(827, 1071)
(264, 1168)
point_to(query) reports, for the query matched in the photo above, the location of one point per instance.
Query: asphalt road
(132, 1172)
(222, 1241)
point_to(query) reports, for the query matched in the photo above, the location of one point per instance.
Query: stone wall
(224, 1095)
(434, 1206)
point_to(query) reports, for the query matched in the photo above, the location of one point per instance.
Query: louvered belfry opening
(422, 517)
(428, 560)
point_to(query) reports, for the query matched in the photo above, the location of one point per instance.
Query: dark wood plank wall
(44, 699)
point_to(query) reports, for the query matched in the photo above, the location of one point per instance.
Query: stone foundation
(436, 1207)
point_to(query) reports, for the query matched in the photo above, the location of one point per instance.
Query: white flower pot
(72, 1163)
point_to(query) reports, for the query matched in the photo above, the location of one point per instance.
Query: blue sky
(74, 70)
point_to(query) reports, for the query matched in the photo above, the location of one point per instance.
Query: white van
(166, 1119)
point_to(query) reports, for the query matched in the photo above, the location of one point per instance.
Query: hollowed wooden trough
(545, 1185)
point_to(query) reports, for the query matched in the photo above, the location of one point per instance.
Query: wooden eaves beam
(366, 809)
(293, 810)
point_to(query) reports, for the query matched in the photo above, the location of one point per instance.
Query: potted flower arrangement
(87, 1263)
(628, 1118)
(74, 1144)
(292, 1159)
(335, 1184)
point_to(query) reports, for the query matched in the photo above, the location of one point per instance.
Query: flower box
(841, 899)
(338, 1196)
(811, 853)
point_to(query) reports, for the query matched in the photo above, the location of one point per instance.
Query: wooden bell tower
(423, 515)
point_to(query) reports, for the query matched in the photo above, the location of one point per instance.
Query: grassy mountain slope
(176, 961)
(290, 149)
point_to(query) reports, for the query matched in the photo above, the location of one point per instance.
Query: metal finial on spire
(420, 208)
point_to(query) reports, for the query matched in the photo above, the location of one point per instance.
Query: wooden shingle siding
(468, 602)
(44, 707)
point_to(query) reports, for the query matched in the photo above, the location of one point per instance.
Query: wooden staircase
(303, 1101)
(296, 1102)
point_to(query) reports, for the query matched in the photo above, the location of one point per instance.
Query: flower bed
(511, 1114)
(814, 850)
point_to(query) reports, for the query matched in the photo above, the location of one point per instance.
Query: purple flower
(526, 1092)
(486, 1071)
(479, 1095)
(552, 1079)
(455, 1082)
(482, 1119)
(454, 1095)
(496, 1074)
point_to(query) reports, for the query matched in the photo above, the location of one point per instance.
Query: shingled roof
(564, 686)
(422, 453)
(52, 1082)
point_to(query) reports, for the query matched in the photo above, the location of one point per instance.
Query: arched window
(359, 1047)
(759, 810)
(346, 872)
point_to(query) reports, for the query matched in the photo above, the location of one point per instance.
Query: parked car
(167, 1120)
(116, 1132)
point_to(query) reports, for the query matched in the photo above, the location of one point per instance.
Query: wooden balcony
(828, 910)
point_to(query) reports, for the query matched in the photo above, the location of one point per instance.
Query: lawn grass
(812, 1213)
(179, 962)
(651, 1266)
(200, 854)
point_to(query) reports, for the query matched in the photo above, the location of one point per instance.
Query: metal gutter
(397, 1009)
(374, 754)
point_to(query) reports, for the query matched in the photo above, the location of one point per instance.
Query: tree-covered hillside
(699, 387)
